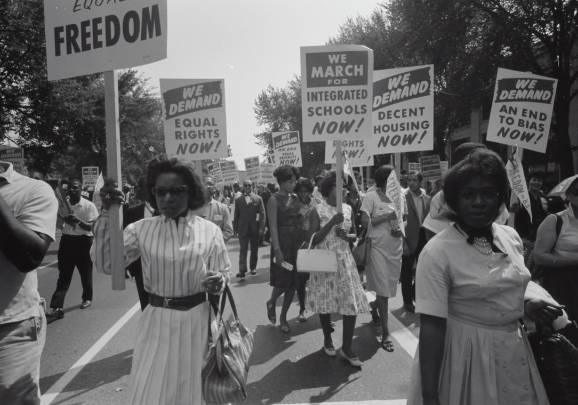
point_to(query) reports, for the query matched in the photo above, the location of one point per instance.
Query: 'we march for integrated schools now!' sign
(522, 110)
(403, 110)
(287, 148)
(194, 118)
(92, 36)
(336, 92)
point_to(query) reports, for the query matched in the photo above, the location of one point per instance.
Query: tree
(280, 110)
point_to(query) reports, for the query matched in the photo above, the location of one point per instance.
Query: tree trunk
(564, 153)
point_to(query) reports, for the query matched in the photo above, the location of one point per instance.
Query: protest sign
(403, 109)
(229, 173)
(14, 156)
(518, 181)
(287, 148)
(355, 151)
(267, 170)
(215, 172)
(414, 167)
(252, 168)
(393, 192)
(522, 110)
(194, 118)
(64, 209)
(430, 167)
(336, 92)
(89, 176)
(86, 37)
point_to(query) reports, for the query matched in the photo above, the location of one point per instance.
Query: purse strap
(219, 312)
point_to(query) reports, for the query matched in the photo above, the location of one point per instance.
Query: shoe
(355, 362)
(285, 329)
(240, 274)
(56, 313)
(330, 351)
(85, 304)
(254, 272)
(271, 313)
(409, 308)
(387, 345)
(301, 317)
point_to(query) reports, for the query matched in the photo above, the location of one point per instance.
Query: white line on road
(382, 402)
(57, 388)
(47, 265)
(404, 337)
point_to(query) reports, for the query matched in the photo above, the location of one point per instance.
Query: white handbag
(316, 260)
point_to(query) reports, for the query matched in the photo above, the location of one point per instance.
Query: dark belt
(180, 303)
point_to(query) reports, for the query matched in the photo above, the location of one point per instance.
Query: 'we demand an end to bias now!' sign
(194, 118)
(336, 92)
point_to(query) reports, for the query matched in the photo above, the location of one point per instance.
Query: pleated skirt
(168, 357)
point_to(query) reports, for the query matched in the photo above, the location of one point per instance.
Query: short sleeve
(40, 210)
(92, 213)
(432, 282)
(368, 204)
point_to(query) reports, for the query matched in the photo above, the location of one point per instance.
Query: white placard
(336, 92)
(267, 170)
(90, 176)
(14, 156)
(357, 152)
(403, 109)
(430, 167)
(287, 148)
(229, 173)
(518, 181)
(215, 172)
(522, 110)
(252, 168)
(194, 118)
(91, 36)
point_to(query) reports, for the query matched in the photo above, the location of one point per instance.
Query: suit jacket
(217, 213)
(412, 229)
(249, 217)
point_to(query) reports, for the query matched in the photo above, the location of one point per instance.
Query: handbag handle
(311, 243)
(219, 313)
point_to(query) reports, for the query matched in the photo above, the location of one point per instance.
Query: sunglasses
(573, 191)
(177, 191)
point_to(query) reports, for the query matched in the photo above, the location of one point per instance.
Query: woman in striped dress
(183, 259)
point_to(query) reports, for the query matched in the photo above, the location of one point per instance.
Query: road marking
(47, 265)
(382, 402)
(57, 388)
(403, 335)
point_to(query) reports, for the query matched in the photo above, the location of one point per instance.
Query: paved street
(88, 354)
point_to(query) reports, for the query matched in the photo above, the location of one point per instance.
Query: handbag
(316, 260)
(557, 361)
(361, 253)
(226, 366)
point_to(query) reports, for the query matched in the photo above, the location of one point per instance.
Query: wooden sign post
(339, 179)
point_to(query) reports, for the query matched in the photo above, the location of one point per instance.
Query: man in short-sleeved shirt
(74, 250)
(28, 222)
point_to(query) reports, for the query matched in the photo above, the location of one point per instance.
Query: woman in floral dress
(340, 292)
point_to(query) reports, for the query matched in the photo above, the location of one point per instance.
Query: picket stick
(114, 171)
(513, 198)
(338, 171)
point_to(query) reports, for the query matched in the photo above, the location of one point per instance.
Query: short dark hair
(303, 183)
(480, 162)
(271, 187)
(285, 172)
(164, 163)
(317, 178)
(73, 179)
(381, 175)
(464, 150)
(403, 171)
(419, 175)
(327, 183)
(539, 174)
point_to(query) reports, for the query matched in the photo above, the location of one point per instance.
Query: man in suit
(265, 195)
(133, 214)
(249, 224)
(417, 209)
(216, 212)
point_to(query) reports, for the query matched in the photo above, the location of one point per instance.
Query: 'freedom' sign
(194, 118)
(287, 148)
(522, 110)
(336, 92)
(91, 36)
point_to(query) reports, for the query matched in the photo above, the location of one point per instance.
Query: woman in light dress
(471, 292)
(339, 292)
(183, 258)
(384, 268)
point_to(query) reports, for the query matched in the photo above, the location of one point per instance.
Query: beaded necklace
(480, 244)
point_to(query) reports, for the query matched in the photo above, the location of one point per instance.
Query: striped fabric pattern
(171, 345)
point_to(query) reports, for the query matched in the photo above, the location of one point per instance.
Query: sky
(251, 44)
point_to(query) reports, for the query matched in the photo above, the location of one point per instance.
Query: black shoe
(56, 313)
(85, 304)
(241, 274)
(254, 272)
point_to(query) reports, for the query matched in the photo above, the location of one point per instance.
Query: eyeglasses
(484, 195)
(573, 191)
(177, 191)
